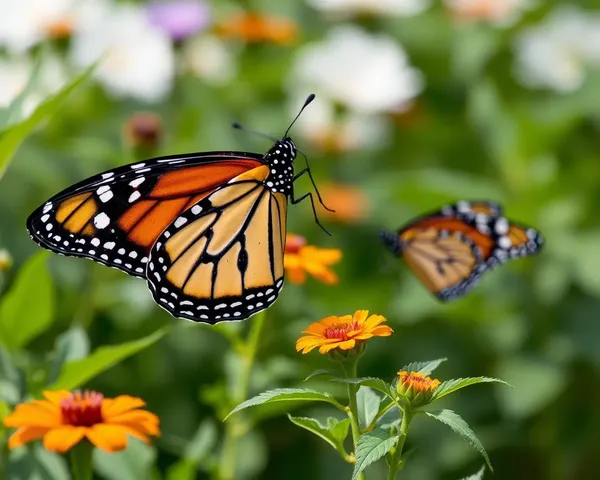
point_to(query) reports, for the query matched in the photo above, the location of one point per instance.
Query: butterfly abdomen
(391, 240)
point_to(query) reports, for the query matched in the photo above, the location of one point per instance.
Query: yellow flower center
(82, 409)
(340, 331)
(418, 381)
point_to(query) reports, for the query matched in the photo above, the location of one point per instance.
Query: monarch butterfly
(450, 249)
(206, 230)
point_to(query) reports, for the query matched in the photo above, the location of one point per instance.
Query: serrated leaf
(451, 386)
(286, 395)
(371, 447)
(426, 368)
(27, 310)
(368, 405)
(76, 373)
(12, 137)
(371, 382)
(456, 423)
(334, 433)
(476, 476)
(319, 372)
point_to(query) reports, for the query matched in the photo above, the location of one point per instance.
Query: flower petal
(374, 320)
(328, 256)
(26, 435)
(347, 345)
(334, 321)
(327, 347)
(316, 328)
(56, 396)
(61, 439)
(321, 272)
(382, 331)
(141, 420)
(296, 275)
(110, 438)
(33, 415)
(360, 316)
(120, 404)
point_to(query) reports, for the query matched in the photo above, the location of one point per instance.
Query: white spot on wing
(101, 220)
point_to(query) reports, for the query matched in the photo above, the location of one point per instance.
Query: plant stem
(234, 427)
(350, 368)
(396, 463)
(81, 461)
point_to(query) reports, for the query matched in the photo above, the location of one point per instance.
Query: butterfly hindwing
(222, 259)
(115, 217)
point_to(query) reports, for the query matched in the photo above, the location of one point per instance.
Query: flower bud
(416, 387)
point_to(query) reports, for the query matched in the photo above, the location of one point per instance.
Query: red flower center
(341, 330)
(82, 409)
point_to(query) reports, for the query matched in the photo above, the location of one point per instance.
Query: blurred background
(419, 103)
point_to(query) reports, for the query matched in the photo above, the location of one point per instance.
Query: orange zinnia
(342, 332)
(257, 28)
(348, 202)
(65, 418)
(301, 259)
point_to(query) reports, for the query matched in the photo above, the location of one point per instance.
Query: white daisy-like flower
(24, 23)
(136, 58)
(366, 73)
(497, 12)
(557, 53)
(373, 7)
(210, 59)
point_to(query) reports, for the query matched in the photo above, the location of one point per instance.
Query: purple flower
(179, 18)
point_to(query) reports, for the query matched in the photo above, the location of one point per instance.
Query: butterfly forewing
(114, 218)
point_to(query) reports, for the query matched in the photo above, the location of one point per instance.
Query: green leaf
(456, 423)
(182, 470)
(426, 368)
(334, 433)
(76, 373)
(319, 372)
(12, 380)
(286, 395)
(476, 476)
(368, 405)
(371, 447)
(27, 309)
(202, 443)
(451, 386)
(34, 462)
(11, 138)
(70, 346)
(133, 463)
(371, 382)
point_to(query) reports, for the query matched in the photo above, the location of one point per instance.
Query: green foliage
(371, 447)
(12, 137)
(334, 433)
(426, 368)
(374, 383)
(76, 373)
(135, 462)
(459, 426)
(368, 406)
(27, 310)
(451, 386)
(34, 462)
(476, 476)
(286, 395)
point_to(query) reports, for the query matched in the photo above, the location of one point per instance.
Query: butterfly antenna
(239, 126)
(309, 99)
(312, 180)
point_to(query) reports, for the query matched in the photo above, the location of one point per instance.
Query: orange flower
(349, 203)
(65, 418)
(485, 10)
(416, 386)
(342, 332)
(257, 28)
(300, 259)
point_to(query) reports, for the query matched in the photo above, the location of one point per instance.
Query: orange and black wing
(450, 249)
(115, 217)
(222, 259)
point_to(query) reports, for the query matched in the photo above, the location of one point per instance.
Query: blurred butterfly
(450, 249)
(206, 230)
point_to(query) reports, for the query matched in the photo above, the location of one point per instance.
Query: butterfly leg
(295, 201)
(312, 180)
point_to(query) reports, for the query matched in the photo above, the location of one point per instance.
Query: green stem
(381, 413)
(350, 368)
(396, 462)
(81, 461)
(234, 427)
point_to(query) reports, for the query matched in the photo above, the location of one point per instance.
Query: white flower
(379, 7)
(498, 12)
(557, 53)
(136, 59)
(321, 126)
(24, 23)
(364, 72)
(210, 59)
